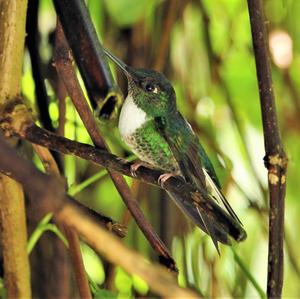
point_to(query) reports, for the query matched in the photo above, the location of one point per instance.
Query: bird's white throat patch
(131, 117)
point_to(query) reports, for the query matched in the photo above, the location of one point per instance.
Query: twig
(114, 251)
(80, 274)
(42, 137)
(275, 159)
(49, 193)
(82, 38)
(24, 128)
(50, 266)
(63, 63)
(46, 159)
(74, 248)
(170, 18)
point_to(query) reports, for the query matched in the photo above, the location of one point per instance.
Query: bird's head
(150, 90)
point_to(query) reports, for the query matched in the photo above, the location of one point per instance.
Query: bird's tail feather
(200, 219)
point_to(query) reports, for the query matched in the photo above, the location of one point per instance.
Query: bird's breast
(131, 118)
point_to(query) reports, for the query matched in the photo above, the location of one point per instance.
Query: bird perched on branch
(159, 135)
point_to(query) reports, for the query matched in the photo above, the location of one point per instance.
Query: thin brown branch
(171, 8)
(80, 274)
(103, 93)
(48, 192)
(46, 159)
(63, 61)
(275, 159)
(65, 69)
(72, 237)
(158, 279)
(225, 224)
(40, 136)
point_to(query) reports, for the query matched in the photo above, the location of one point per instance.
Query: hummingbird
(153, 128)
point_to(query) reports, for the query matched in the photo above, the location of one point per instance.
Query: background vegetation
(205, 49)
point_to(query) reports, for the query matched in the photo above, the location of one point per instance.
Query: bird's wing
(208, 166)
(213, 182)
(189, 155)
(218, 195)
(192, 158)
(183, 144)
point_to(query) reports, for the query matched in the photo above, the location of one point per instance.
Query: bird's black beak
(123, 66)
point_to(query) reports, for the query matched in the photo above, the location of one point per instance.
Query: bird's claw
(164, 177)
(135, 166)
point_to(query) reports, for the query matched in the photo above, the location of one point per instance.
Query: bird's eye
(151, 88)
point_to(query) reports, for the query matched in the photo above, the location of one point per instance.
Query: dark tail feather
(209, 227)
(200, 219)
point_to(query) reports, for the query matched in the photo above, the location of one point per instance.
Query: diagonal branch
(48, 192)
(65, 69)
(89, 56)
(275, 158)
(34, 134)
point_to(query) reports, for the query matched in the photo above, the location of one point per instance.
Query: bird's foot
(165, 176)
(135, 166)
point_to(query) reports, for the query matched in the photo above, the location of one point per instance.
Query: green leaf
(42, 227)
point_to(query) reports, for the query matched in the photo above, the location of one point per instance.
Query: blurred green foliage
(217, 91)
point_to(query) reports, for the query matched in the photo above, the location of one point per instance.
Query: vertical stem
(82, 282)
(172, 8)
(14, 239)
(74, 248)
(275, 159)
(12, 210)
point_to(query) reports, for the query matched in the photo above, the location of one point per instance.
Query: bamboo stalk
(12, 210)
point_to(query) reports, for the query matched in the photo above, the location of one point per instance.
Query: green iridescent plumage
(158, 134)
(153, 147)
